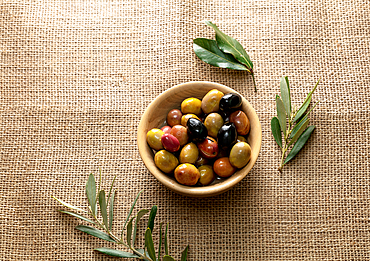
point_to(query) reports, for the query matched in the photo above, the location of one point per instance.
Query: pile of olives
(204, 140)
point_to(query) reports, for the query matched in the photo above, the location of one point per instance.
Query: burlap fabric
(76, 77)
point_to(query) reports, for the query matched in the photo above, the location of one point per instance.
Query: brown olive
(223, 168)
(240, 154)
(185, 118)
(187, 174)
(153, 137)
(241, 138)
(201, 161)
(208, 148)
(213, 123)
(166, 129)
(165, 161)
(181, 133)
(191, 105)
(174, 117)
(189, 153)
(241, 122)
(207, 176)
(211, 101)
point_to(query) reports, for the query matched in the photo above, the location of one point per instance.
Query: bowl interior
(155, 116)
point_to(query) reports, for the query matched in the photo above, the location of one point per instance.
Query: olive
(185, 118)
(226, 136)
(223, 168)
(213, 123)
(208, 148)
(240, 154)
(153, 137)
(230, 101)
(166, 129)
(211, 101)
(181, 133)
(196, 130)
(191, 105)
(201, 161)
(207, 176)
(170, 142)
(187, 174)
(189, 153)
(241, 138)
(241, 122)
(174, 117)
(165, 161)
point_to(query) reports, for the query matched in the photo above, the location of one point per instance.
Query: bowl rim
(205, 191)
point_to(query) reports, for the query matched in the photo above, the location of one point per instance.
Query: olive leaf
(103, 207)
(285, 94)
(293, 123)
(165, 241)
(152, 215)
(207, 50)
(77, 216)
(160, 241)
(149, 243)
(168, 258)
(225, 52)
(111, 205)
(95, 232)
(300, 143)
(129, 232)
(276, 131)
(129, 213)
(91, 193)
(230, 45)
(116, 253)
(184, 254)
(138, 217)
(69, 205)
(281, 114)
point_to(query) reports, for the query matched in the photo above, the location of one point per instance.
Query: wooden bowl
(155, 116)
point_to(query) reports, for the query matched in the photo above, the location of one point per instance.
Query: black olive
(227, 136)
(230, 101)
(197, 130)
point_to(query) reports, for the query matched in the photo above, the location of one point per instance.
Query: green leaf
(230, 45)
(285, 94)
(77, 216)
(184, 254)
(276, 131)
(208, 51)
(103, 207)
(165, 241)
(168, 258)
(91, 193)
(152, 214)
(300, 143)
(116, 253)
(138, 217)
(69, 205)
(302, 110)
(306, 115)
(298, 130)
(129, 214)
(149, 244)
(129, 231)
(111, 187)
(306, 103)
(160, 241)
(111, 205)
(281, 114)
(95, 232)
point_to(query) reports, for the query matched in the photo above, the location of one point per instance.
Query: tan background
(76, 76)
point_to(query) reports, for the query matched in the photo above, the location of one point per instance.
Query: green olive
(240, 154)
(189, 153)
(153, 137)
(187, 174)
(211, 101)
(213, 123)
(165, 161)
(207, 176)
(191, 105)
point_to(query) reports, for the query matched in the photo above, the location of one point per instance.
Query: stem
(254, 82)
(283, 150)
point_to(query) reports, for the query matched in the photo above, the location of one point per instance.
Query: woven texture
(76, 77)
